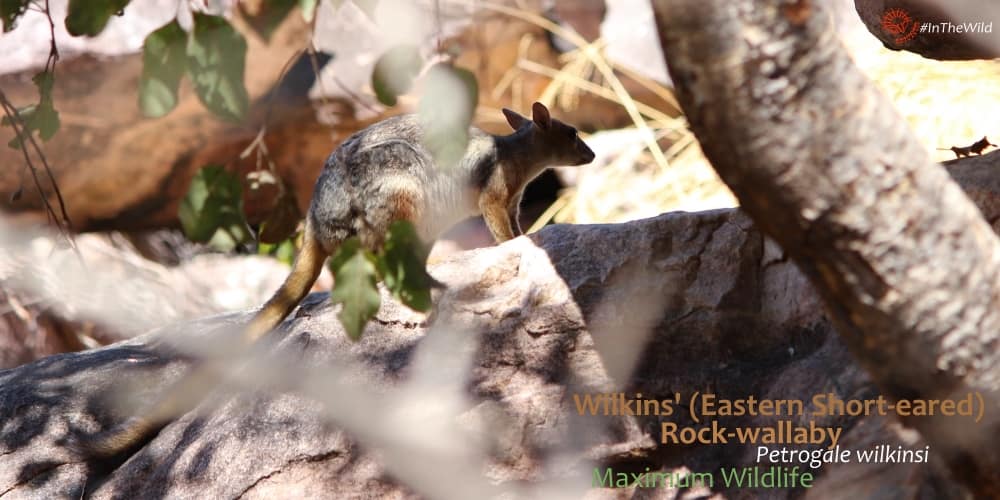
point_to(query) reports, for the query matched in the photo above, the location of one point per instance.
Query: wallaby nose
(586, 154)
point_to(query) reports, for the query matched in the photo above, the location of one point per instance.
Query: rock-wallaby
(380, 175)
(975, 148)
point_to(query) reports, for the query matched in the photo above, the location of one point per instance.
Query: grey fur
(387, 161)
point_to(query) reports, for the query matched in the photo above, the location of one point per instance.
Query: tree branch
(906, 265)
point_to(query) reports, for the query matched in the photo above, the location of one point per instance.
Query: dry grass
(946, 103)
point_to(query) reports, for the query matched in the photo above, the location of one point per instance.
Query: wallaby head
(558, 141)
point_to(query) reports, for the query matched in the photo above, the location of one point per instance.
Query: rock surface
(674, 304)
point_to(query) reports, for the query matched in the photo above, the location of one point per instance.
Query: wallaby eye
(571, 132)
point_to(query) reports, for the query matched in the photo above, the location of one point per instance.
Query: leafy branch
(212, 56)
(41, 117)
(400, 264)
(14, 119)
(212, 211)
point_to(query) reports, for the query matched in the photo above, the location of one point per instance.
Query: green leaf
(232, 232)
(89, 17)
(44, 80)
(10, 10)
(403, 266)
(45, 120)
(197, 225)
(283, 251)
(308, 9)
(394, 72)
(446, 111)
(346, 250)
(212, 209)
(26, 113)
(163, 61)
(216, 59)
(42, 117)
(267, 16)
(355, 287)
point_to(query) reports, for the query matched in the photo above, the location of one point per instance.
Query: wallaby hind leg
(399, 201)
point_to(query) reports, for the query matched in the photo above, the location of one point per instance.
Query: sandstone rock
(484, 396)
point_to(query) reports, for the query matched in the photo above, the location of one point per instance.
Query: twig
(599, 62)
(314, 61)
(650, 84)
(354, 95)
(593, 88)
(18, 124)
(50, 67)
(438, 27)
(258, 143)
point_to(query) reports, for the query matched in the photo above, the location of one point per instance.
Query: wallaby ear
(514, 118)
(540, 115)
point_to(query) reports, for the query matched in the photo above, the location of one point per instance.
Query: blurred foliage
(354, 286)
(213, 57)
(212, 209)
(10, 10)
(395, 71)
(283, 251)
(163, 64)
(308, 9)
(89, 17)
(400, 264)
(446, 110)
(216, 57)
(269, 16)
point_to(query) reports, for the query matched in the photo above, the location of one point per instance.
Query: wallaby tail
(308, 264)
(130, 434)
(193, 387)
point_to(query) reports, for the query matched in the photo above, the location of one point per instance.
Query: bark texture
(908, 268)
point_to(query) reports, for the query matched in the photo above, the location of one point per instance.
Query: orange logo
(899, 24)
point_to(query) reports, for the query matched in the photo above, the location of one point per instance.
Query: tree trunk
(907, 267)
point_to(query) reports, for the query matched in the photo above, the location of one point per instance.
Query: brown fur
(402, 206)
(308, 264)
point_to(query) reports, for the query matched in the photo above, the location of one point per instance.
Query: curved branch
(906, 265)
